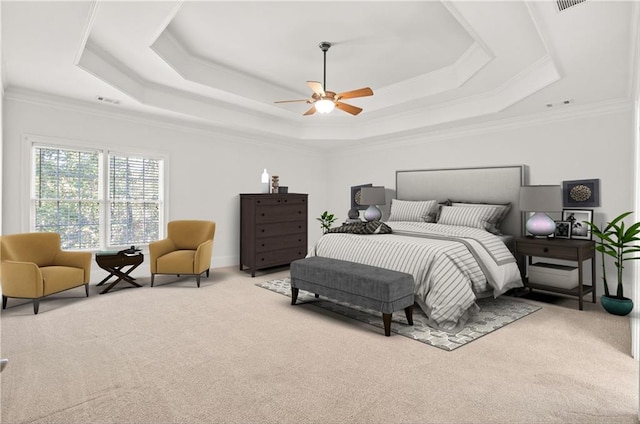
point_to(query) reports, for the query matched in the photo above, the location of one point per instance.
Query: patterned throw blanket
(445, 262)
(373, 227)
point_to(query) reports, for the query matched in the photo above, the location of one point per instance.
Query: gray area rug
(493, 314)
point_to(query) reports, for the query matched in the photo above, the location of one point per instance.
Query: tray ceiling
(223, 64)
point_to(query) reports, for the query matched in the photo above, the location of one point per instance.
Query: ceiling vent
(108, 100)
(565, 4)
(561, 103)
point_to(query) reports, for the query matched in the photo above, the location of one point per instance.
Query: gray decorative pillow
(411, 210)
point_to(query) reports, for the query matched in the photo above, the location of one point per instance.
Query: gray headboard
(497, 184)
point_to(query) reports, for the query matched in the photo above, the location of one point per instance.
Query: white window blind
(134, 199)
(67, 198)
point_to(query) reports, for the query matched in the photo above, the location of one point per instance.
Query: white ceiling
(431, 64)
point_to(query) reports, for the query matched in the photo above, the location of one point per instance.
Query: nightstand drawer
(550, 251)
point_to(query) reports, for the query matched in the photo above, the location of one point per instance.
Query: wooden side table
(115, 264)
(569, 250)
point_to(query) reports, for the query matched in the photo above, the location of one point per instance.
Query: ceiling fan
(324, 101)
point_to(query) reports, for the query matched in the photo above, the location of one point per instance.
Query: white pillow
(502, 212)
(411, 210)
(482, 217)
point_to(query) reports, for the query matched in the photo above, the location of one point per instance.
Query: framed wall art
(563, 230)
(581, 193)
(355, 196)
(577, 217)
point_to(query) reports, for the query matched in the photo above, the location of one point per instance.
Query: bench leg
(386, 318)
(294, 295)
(408, 311)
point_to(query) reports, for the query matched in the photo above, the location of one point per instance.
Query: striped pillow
(482, 217)
(502, 212)
(411, 210)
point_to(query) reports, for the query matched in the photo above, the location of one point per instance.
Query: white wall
(599, 145)
(207, 170)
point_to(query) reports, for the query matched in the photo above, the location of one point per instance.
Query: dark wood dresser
(273, 230)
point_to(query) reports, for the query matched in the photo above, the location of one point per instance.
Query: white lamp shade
(324, 106)
(372, 196)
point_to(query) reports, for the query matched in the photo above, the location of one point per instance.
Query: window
(68, 196)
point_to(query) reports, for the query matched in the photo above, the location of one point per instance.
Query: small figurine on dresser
(275, 183)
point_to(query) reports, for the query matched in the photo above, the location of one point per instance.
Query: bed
(452, 229)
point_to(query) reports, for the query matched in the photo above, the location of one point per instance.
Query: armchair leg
(36, 306)
(4, 302)
(207, 273)
(86, 289)
(198, 280)
(152, 275)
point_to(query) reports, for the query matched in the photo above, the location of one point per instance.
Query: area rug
(493, 315)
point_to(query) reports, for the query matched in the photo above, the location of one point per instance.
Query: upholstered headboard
(498, 184)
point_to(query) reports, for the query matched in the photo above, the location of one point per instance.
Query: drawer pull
(545, 250)
(262, 214)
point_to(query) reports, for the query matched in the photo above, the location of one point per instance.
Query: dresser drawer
(280, 213)
(281, 200)
(280, 257)
(267, 244)
(558, 252)
(281, 228)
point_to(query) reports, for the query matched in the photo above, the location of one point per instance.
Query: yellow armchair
(186, 250)
(34, 266)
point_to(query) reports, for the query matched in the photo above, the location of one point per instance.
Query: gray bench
(376, 288)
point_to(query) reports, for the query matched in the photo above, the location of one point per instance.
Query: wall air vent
(565, 4)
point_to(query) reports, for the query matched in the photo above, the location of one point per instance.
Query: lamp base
(372, 213)
(541, 225)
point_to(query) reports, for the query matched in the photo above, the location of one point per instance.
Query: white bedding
(451, 265)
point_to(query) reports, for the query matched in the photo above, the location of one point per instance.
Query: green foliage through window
(68, 197)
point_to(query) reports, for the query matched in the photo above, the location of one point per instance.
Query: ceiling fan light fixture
(325, 105)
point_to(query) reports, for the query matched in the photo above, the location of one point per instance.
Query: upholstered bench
(376, 288)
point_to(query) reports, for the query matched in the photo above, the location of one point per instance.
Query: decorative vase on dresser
(273, 230)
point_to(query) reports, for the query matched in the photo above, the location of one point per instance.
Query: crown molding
(447, 132)
(252, 138)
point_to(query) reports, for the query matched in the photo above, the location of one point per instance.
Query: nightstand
(568, 250)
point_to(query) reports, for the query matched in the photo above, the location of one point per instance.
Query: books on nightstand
(561, 276)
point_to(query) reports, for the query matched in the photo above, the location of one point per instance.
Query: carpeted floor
(493, 315)
(232, 352)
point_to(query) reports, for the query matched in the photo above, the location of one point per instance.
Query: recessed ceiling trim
(448, 78)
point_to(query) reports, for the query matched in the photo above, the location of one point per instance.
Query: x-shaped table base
(115, 264)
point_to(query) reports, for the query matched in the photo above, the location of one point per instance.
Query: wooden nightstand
(569, 250)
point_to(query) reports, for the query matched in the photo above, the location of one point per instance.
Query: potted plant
(619, 242)
(326, 219)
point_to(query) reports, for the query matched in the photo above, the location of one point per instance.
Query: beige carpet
(231, 352)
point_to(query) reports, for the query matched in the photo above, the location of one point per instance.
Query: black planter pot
(617, 306)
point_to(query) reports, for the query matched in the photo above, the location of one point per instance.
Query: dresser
(273, 230)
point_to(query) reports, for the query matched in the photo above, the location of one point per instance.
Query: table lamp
(541, 199)
(372, 197)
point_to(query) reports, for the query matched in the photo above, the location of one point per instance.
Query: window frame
(31, 142)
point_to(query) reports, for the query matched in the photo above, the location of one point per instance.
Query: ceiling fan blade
(316, 87)
(361, 92)
(348, 108)
(291, 101)
(310, 111)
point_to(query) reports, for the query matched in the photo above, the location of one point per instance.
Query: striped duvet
(452, 265)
